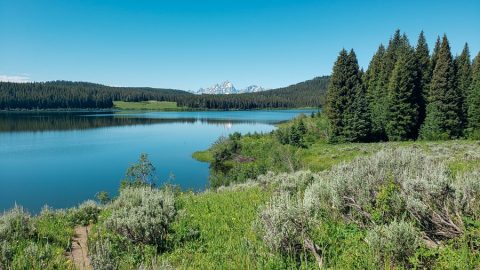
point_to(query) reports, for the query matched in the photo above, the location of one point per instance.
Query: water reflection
(37, 122)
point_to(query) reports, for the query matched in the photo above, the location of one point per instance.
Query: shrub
(54, 226)
(6, 254)
(143, 215)
(394, 243)
(283, 224)
(16, 224)
(86, 213)
(392, 184)
(101, 256)
(467, 193)
(291, 183)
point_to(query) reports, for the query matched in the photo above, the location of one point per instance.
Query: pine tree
(396, 45)
(403, 110)
(424, 74)
(473, 101)
(463, 80)
(341, 95)
(338, 95)
(442, 118)
(357, 117)
(376, 92)
(435, 53)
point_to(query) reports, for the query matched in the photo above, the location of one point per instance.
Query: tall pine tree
(376, 93)
(442, 115)
(403, 110)
(436, 49)
(339, 95)
(357, 117)
(347, 122)
(396, 45)
(473, 101)
(464, 79)
(424, 75)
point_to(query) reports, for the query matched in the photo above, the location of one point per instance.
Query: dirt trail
(80, 249)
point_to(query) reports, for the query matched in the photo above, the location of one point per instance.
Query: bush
(291, 183)
(86, 213)
(394, 243)
(467, 193)
(394, 184)
(143, 215)
(283, 225)
(101, 256)
(16, 224)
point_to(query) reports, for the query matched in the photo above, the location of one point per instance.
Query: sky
(188, 44)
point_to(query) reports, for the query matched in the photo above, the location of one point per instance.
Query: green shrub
(54, 226)
(394, 243)
(467, 193)
(86, 213)
(283, 225)
(16, 224)
(101, 256)
(143, 215)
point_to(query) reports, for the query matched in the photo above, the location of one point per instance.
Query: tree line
(67, 95)
(405, 94)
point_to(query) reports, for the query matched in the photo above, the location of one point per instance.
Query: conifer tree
(396, 45)
(338, 95)
(463, 80)
(357, 117)
(341, 95)
(442, 116)
(424, 74)
(473, 101)
(376, 92)
(403, 110)
(435, 53)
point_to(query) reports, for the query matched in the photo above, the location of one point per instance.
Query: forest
(405, 94)
(80, 95)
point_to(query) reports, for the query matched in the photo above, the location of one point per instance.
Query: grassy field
(147, 105)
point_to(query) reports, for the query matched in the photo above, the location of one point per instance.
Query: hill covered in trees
(69, 95)
(309, 93)
(406, 93)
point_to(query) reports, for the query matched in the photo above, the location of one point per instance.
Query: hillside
(67, 95)
(84, 95)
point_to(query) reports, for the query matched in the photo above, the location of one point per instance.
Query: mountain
(227, 88)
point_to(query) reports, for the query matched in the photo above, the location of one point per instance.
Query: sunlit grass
(147, 105)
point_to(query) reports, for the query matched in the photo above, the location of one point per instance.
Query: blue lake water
(62, 159)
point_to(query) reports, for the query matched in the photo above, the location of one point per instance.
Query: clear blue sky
(188, 44)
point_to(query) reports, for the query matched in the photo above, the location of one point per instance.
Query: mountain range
(227, 88)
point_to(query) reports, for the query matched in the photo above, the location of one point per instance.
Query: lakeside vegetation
(366, 185)
(392, 205)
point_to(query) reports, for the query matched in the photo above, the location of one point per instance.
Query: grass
(203, 156)
(226, 238)
(147, 105)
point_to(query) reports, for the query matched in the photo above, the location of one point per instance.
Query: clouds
(23, 78)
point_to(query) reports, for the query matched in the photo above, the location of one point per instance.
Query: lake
(61, 159)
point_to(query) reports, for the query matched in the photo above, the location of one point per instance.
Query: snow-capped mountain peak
(227, 88)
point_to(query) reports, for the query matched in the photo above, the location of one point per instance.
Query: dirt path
(80, 249)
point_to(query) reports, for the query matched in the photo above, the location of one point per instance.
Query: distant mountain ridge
(227, 88)
(84, 95)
